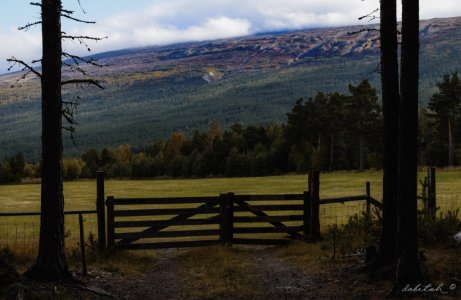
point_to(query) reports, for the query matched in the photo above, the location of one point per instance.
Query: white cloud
(22, 45)
(438, 9)
(172, 21)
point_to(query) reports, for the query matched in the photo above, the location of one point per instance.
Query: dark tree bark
(451, 142)
(332, 152)
(390, 100)
(51, 261)
(314, 190)
(408, 268)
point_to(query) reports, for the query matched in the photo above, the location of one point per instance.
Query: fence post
(82, 245)
(368, 193)
(226, 226)
(431, 203)
(100, 210)
(368, 211)
(306, 215)
(110, 223)
(314, 190)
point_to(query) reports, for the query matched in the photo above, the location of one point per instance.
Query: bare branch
(69, 12)
(81, 7)
(29, 25)
(26, 66)
(376, 70)
(69, 111)
(77, 60)
(83, 81)
(75, 68)
(363, 30)
(83, 37)
(371, 16)
(68, 16)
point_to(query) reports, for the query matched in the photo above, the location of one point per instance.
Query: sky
(138, 23)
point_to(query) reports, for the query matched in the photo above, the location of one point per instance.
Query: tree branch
(363, 30)
(24, 64)
(68, 16)
(371, 16)
(29, 25)
(83, 81)
(77, 60)
(83, 37)
(81, 7)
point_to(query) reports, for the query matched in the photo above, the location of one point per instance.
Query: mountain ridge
(152, 91)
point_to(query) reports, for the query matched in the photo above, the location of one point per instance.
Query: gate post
(100, 210)
(306, 215)
(226, 226)
(110, 223)
(368, 211)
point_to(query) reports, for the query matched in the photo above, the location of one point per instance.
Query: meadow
(21, 233)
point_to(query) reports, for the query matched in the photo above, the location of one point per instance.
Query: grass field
(81, 195)
(22, 232)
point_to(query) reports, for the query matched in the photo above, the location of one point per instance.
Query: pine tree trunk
(408, 268)
(391, 99)
(451, 144)
(361, 154)
(332, 151)
(51, 261)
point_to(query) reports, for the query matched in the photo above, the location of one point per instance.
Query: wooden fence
(228, 218)
(224, 219)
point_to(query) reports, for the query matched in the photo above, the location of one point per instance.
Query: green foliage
(355, 235)
(445, 113)
(72, 168)
(328, 130)
(12, 169)
(440, 230)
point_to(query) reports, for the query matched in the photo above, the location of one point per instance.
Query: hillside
(154, 90)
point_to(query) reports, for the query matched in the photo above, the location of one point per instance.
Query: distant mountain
(153, 91)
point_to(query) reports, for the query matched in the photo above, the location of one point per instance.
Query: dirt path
(272, 276)
(273, 279)
(280, 280)
(160, 281)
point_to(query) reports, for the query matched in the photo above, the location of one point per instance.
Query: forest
(329, 132)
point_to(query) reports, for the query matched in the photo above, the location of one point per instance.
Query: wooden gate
(268, 219)
(151, 223)
(162, 222)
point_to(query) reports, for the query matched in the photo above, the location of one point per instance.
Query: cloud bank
(172, 21)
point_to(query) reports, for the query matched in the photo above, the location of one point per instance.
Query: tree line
(331, 131)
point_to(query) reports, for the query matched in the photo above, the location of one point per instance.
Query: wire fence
(21, 233)
(337, 214)
(446, 203)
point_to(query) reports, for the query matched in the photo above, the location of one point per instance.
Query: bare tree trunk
(391, 99)
(408, 268)
(314, 190)
(451, 143)
(332, 151)
(51, 261)
(361, 154)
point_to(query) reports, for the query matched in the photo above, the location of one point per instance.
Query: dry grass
(217, 273)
